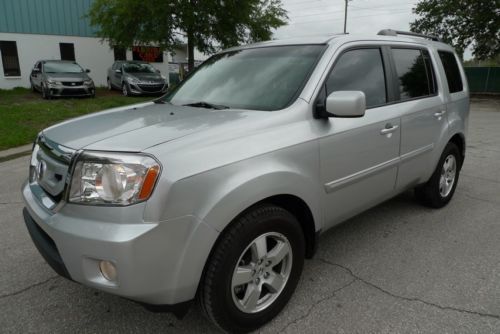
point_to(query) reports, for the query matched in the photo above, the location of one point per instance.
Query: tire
(46, 95)
(222, 298)
(125, 90)
(439, 190)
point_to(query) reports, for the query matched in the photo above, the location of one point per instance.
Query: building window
(150, 54)
(67, 51)
(10, 59)
(120, 53)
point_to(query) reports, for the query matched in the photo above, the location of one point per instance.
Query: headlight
(53, 82)
(113, 178)
(88, 82)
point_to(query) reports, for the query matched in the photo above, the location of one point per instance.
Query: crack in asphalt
(410, 299)
(484, 200)
(309, 311)
(479, 177)
(15, 293)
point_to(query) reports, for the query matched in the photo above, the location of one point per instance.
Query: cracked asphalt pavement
(397, 268)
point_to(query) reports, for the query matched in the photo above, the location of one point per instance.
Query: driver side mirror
(346, 104)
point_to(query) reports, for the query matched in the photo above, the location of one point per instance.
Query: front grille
(72, 83)
(51, 167)
(151, 88)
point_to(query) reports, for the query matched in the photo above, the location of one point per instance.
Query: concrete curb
(15, 152)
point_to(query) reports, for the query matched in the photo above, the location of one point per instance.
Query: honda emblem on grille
(40, 169)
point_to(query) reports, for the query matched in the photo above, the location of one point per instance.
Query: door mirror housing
(36, 70)
(346, 104)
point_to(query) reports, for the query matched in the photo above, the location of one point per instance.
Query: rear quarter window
(452, 71)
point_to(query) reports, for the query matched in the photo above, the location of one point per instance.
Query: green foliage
(462, 23)
(208, 24)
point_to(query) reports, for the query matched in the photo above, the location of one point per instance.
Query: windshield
(60, 67)
(267, 78)
(138, 68)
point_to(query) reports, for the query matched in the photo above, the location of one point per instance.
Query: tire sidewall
(283, 223)
(450, 149)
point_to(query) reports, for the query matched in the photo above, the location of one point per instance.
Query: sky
(312, 17)
(308, 17)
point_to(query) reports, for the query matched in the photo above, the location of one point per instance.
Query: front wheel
(253, 270)
(45, 92)
(125, 90)
(439, 190)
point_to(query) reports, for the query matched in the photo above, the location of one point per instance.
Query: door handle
(439, 114)
(389, 128)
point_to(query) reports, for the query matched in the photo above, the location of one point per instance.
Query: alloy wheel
(262, 272)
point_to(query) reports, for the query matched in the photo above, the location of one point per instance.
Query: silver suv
(220, 189)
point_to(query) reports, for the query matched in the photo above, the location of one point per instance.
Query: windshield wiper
(202, 104)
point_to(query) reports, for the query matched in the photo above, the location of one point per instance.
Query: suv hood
(137, 127)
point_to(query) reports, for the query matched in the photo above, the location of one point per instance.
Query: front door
(359, 156)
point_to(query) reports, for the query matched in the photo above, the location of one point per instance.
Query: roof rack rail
(390, 32)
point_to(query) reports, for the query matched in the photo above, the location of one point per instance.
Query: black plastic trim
(45, 246)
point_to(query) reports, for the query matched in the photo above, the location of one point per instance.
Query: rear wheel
(253, 270)
(439, 190)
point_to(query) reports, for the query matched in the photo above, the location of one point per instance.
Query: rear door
(423, 112)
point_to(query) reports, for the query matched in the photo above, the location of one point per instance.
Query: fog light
(108, 270)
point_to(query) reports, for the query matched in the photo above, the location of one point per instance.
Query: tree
(462, 23)
(207, 24)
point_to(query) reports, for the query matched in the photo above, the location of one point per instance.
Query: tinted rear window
(452, 71)
(414, 73)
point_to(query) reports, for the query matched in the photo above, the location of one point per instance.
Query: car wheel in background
(253, 270)
(439, 190)
(45, 93)
(125, 90)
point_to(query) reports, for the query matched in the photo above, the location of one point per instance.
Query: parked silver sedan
(136, 78)
(54, 78)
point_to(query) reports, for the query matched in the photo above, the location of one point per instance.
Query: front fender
(217, 196)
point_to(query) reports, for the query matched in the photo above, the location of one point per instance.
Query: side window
(452, 71)
(431, 73)
(67, 51)
(10, 60)
(412, 74)
(362, 70)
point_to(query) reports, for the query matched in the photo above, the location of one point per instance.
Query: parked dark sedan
(136, 78)
(61, 78)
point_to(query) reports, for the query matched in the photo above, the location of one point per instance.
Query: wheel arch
(459, 140)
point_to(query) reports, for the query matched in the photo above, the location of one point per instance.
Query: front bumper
(62, 90)
(157, 263)
(147, 89)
